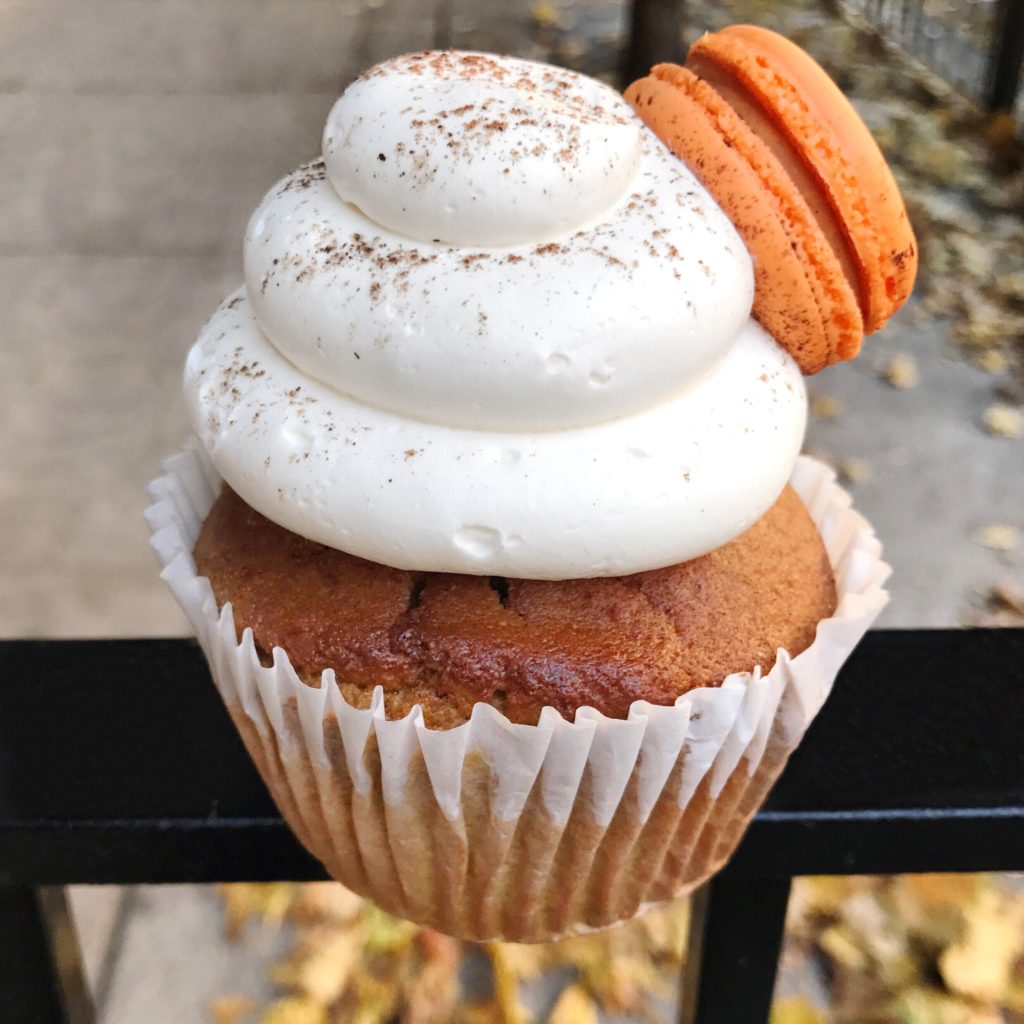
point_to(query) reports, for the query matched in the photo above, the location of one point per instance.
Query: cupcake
(495, 530)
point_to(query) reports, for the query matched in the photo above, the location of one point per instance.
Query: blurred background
(137, 137)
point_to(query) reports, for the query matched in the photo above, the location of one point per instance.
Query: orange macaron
(787, 157)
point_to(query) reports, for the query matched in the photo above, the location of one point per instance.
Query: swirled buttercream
(472, 149)
(547, 371)
(606, 321)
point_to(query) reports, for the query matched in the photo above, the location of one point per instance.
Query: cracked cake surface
(445, 641)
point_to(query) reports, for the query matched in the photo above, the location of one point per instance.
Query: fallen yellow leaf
(326, 900)
(230, 1009)
(825, 407)
(980, 964)
(375, 1000)
(386, 934)
(1004, 421)
(931, 906)
(991, 360)
(524, 961)
(795, 1010)
(998, 537)
(623, 982)
(321, 966)
(854, 471)
(574, 1006)
(826, 895)
(931, 1006)
(901, 372)
(1015, 992)
(840, 944)
(1008, 596)
(294, 1010)
(546, 15)
(877, 933)
(269, 902)
(506, 986)
(665, 930)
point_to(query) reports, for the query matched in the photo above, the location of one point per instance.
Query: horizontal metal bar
(118, 763)
(263, 849)
(154, 852)
(901, 842)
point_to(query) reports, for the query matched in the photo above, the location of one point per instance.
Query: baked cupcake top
(498, 329)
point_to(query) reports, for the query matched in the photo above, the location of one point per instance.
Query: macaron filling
(760, 121)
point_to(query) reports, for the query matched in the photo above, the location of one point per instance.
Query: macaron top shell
(839, 151)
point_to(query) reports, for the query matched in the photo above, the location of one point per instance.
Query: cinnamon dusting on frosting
(497, 280)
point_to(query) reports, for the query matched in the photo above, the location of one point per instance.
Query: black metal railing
(118, 764)
(977, 46)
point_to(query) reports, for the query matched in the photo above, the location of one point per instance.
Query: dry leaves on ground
(915, 949)
(351, 962)
(919, 949)
(998, 537)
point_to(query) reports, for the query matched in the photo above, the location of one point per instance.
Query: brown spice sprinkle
(448, 641)
(454, 65)
(467, 129)
(304, 177)
(404, 274)
(386, 267)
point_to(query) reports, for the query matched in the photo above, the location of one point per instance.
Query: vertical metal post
(1005, 56)
(41, 976)
(736, 927)
(654, 36)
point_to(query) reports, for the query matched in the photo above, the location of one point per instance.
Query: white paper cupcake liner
(520, 832)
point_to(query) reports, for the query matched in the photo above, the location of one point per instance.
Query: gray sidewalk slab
(174, 961)
(96, 911)
(177, 175)
(95, 346)
(169, 47)
(935, 476)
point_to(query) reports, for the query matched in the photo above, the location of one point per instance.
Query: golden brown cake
(447, 641)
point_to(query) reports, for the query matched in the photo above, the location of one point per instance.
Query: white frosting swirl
(479, 151)
(545, 373)
(634, 493)
(472, 149)
(607, 321)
